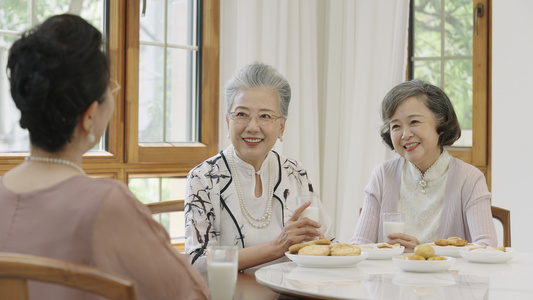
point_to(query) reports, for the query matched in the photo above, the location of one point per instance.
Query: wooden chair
(16, 269)
(504, 216)
(167, 207)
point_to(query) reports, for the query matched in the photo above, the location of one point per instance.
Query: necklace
(256, 222)
(422, 182)
(57, 161)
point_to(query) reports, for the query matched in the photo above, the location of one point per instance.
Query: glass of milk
(222, 269)
(393, 222)
(311, 211)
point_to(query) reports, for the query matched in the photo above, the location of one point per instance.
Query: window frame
(479, 154)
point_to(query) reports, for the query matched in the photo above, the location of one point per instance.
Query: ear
(87, 118)
(282, 126)
(227, 122)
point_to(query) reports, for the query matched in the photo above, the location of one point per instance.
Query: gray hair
(256, 75)
(435, 100)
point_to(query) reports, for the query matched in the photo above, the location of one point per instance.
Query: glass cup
(311, 211)
(222, 269)
(393, 222)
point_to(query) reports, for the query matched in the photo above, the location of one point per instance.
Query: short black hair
(434, 98)
(56, 70)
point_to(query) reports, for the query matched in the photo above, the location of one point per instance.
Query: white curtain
(341, 57)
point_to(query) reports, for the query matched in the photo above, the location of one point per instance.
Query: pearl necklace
(57, 161)
(256, 222)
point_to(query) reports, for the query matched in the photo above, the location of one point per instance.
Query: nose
(407, 133)
(254, 124)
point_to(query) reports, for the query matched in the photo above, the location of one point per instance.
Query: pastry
(345, 250)
(315, 250)
(436, 257)
(442, 242)
(412, 257)
(424, 250)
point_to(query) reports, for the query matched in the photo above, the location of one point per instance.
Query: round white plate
(381, 253)
(452, 251)
(326, 261)
(423, 266)
(488, 256)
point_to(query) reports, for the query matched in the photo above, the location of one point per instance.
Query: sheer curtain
(340, 57)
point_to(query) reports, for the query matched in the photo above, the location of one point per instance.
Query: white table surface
(382, 279)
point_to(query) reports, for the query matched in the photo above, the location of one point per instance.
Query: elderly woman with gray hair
(441, 196)
(246, 194)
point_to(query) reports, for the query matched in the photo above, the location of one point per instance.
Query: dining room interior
(173, 59)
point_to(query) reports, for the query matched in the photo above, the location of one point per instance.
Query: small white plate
(311, 261)
(381, 253)
(452, 251)
(488, 255)
(424, 266)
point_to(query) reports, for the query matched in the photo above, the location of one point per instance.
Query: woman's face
(413, 131)
(253, 141)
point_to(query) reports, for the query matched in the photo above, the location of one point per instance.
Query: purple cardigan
(466, 209)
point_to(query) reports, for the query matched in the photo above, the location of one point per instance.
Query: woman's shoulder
(390, 165)
(212, 163)
(461, 169)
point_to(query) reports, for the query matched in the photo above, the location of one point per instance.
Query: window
(448, 49)
(15, 18)
(137, 150)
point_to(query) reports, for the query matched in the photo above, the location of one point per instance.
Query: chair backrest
(16, 269)
(504, 216)
(168, 207)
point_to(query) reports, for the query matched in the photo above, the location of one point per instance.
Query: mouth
(252, 140)
(411, 146)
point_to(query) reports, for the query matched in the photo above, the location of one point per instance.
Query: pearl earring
(227, 135)
(90, 136)
(281, 138)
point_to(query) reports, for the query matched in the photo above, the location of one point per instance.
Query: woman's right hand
(297, 230)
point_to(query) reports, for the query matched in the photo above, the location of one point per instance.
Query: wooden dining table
(382, 279)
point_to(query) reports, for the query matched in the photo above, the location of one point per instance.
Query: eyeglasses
(263, 119)
(114, 86)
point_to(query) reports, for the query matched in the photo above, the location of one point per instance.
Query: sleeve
(367, 229)
(127, 241)
(478, 213)
(199, 219)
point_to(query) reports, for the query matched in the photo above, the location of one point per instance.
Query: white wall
(512, 120)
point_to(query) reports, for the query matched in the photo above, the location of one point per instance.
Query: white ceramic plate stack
(311, 261)
(488, 255)
(424, 266)
(381, 253)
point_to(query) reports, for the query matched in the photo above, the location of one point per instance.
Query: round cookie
(345, 250)
(442, 242)
(436, 257)
(315, 250)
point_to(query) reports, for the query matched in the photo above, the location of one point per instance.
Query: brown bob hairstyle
(434, 98)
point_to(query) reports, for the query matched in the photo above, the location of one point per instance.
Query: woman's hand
(408, 241)
(297, 231)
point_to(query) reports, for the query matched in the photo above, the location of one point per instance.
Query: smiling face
(253, 141)
(413, 131)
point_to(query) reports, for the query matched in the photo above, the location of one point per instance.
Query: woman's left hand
(408, 241)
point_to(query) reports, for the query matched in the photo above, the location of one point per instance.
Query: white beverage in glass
(222, 270)
(390, 227)
(222, 278)
(311, 211)
(393, 222)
